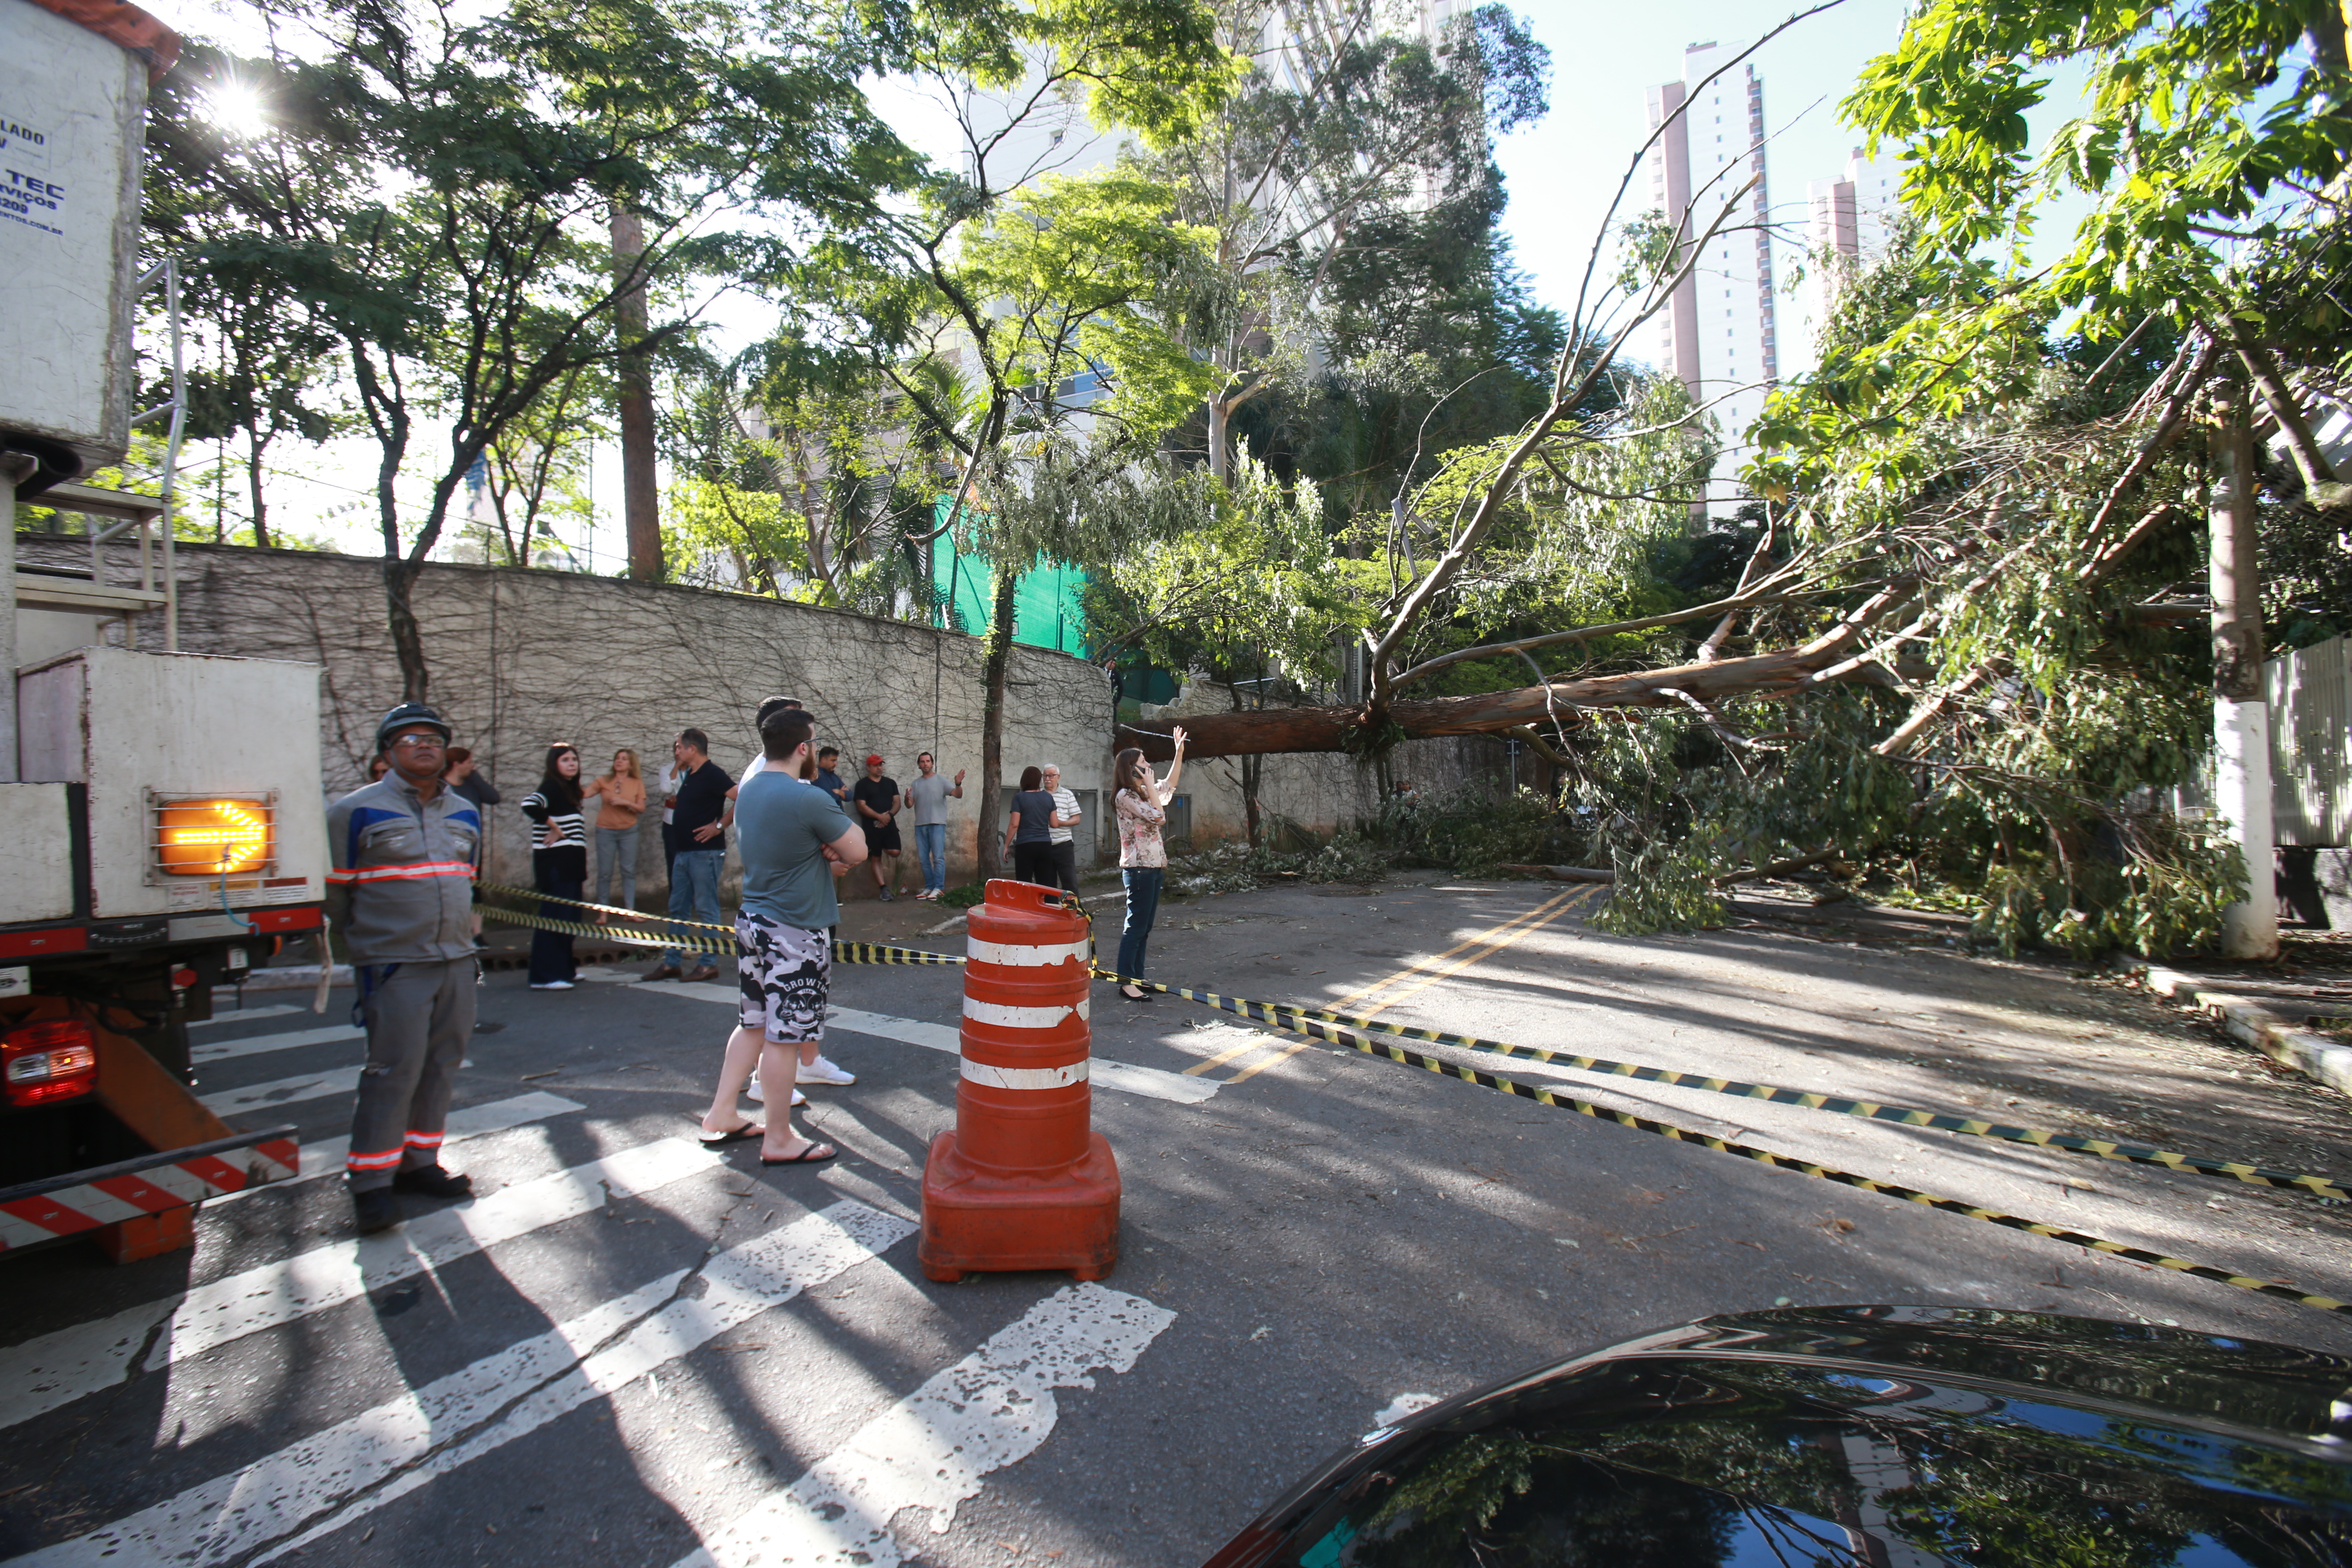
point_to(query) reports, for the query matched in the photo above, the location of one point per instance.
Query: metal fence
(2310, 693)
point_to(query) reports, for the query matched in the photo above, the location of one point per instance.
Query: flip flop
(748, 1130)
(808, 1156)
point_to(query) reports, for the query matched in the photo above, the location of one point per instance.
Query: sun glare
(236, 110)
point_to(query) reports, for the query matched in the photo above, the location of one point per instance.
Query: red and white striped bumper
(148, 1184)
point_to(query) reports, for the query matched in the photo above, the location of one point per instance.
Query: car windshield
(1687, 1464)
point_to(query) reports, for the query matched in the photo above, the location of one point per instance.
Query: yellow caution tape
(1296, 1022)
(1273, 1013)
(717, 947)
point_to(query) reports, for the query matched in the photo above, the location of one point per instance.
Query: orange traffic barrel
(1023, 1181)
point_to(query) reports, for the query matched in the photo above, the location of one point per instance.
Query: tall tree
(1347, 177)
(438, 187)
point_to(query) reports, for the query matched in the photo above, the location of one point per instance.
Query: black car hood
(1887, 1436)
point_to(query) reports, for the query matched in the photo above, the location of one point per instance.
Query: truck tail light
(48, 1061)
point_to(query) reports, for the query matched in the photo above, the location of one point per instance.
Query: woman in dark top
(1029, 831)
(559, 864)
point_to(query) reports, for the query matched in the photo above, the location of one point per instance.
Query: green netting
(1048, 600)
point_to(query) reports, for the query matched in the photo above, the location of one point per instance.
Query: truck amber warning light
(211, 838)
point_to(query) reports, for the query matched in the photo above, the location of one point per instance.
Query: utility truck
(162, 824)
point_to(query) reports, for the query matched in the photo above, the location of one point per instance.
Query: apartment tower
(1718, 335)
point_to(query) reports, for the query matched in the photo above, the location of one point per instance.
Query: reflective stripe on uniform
(1027, 1077)
(355, 1161)
(405, 873)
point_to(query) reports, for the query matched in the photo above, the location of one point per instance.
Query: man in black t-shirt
(701, 801)
(877, 801)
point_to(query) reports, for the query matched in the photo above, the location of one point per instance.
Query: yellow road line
(1222, 1057)
(1418, 965)
(1495, 941)
(1283, 1055)
(1573, 899)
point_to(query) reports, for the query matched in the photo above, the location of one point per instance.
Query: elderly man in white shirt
(1066, 817)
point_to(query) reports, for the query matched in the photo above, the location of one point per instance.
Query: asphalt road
(627, 1350)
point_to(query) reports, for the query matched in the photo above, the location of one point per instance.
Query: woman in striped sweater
(559, 864)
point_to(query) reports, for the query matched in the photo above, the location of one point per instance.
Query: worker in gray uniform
(401, 891)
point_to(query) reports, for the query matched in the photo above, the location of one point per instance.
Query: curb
(2315, 1057)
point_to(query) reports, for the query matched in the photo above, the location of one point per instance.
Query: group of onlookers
(698, 805)
(405, 849)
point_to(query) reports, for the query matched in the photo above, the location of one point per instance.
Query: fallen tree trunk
(1486, 712)
(1603, 874)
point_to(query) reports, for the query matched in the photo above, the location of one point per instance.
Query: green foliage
(1474, 832)
(966, 896)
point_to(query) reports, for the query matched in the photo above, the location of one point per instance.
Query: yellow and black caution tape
(688, 941)
(638, 917)
(880, 952)
(1300, 1024)
(691, 936)
(1274, 1013)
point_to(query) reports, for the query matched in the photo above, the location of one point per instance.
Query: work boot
(703, 971)
(376, 1209)
(662, 971)
(433, 1182)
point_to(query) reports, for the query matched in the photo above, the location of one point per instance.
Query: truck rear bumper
(144, 1187)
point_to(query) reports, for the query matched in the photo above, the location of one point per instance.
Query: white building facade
(1719, 335)
(1849, 221)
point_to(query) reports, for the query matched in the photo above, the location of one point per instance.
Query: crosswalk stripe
(254, 1044)
(55, 1369)
(738, 1286)
(325, 1158)
(1151, 1083)
(324, 1482)
(283, 1091)
(930, 1450)
(247, 1015)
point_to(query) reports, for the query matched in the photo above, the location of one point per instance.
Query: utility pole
(640, 498)
(2241, 715)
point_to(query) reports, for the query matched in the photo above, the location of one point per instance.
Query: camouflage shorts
(782, 971)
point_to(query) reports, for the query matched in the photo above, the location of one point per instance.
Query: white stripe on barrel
(1062, 1077)
(1025, 955)
(1005, 1018)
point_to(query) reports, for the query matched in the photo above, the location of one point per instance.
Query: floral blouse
(1139, 820)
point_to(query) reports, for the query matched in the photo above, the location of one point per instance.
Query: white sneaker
(823, 1071)
(551, 985)
(752, 1091)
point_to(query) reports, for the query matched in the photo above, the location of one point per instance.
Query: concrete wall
(1328, 791)
(520, 658)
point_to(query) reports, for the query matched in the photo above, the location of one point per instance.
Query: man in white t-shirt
(1066, 817)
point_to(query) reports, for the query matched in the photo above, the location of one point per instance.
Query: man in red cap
(877, 801)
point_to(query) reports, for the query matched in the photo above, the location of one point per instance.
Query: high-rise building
(1718, 336)
(1848, 227)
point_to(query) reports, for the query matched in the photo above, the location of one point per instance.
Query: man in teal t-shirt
(790, 834)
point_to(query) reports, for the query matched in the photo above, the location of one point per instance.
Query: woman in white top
(1139, 805)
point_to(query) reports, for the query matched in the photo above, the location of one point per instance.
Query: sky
(1561, 172)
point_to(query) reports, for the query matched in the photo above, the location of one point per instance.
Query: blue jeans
(694, 894)
(931, 849)
(1142, 908)
(616, 860)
